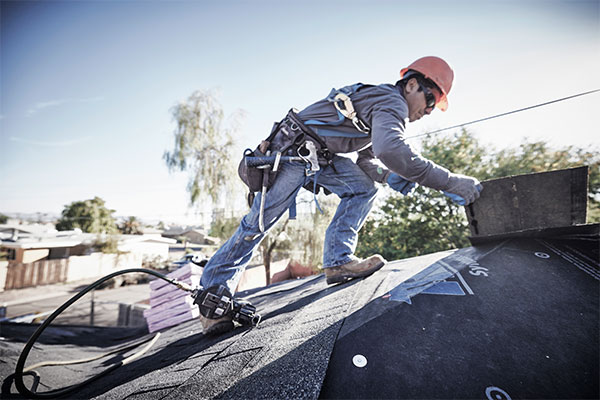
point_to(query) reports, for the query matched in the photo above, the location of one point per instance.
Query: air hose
(20, 371)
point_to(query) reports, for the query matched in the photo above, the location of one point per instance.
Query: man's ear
(411, 86)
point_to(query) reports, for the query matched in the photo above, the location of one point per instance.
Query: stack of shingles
(169, 305)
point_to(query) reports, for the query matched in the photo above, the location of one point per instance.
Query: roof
(72, 239)
(180, 230)
(128, 239)
(28, 228)
(516, 317)
(47, 242)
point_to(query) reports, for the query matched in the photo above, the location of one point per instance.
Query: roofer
(304, 150)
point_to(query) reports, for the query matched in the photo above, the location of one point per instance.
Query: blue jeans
(356, 190)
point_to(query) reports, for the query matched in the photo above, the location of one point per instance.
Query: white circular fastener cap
(495, 393)
(359, 360)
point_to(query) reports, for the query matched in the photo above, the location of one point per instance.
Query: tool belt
(292, 139)
(286, 137)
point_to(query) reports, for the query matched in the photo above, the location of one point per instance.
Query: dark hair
(420, 79)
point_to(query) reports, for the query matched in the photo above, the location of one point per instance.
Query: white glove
(464, 186)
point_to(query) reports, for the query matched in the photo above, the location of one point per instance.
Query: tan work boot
(354, 269)
(216, 326)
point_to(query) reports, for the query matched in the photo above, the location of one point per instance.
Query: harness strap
(293, 117)
(333, 133)
(316, 177)
(292, 210)
(345, 110)
(340, 98)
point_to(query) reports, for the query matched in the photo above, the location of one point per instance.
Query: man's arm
(387, 135)
(391, 148)
(372, 166)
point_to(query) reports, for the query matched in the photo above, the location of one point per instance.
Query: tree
(426, 221)
(90, 216)
(224, 227)
(131, 226)
(3, 219)
(203, 147)
(277, 239)
(539, 157)
(107, 245)
(307, 233)
(421, 223)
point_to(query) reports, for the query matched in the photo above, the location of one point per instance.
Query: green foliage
(131, 226)
(90, 216)
(301, 239)
(203, 147)
(224, 228)
(539, 157)
(406, 226)
(277, 239)
(307, 233)
(3, 219)
(108, 244)
(460, 153)
(426, 221)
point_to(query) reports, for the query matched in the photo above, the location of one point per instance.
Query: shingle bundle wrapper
(169, 305)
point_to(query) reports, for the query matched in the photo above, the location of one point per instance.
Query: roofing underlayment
(513, 316)
(517, 318)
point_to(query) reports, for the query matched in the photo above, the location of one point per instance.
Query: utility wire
(503, 114)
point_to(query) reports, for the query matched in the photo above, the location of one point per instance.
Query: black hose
(18, 376)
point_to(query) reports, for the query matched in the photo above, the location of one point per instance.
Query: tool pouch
(294, 134)
(252, 176)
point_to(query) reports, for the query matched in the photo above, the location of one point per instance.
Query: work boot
(354, 269)
(216, 326)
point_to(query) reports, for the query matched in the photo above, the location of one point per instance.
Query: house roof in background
(180, 230)
(517, 317)
(127, 239)
(71, 239)
(38, 229)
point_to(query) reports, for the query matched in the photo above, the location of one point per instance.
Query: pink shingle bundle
(169, 305)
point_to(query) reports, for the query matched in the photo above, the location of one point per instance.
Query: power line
(503, 114)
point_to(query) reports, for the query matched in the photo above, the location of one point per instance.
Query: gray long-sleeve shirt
(384, 109)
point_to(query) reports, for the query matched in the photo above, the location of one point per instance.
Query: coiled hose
(20, 370)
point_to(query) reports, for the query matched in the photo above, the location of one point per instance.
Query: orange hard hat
(436, 70)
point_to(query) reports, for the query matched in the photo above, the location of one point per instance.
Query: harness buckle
(349, 112)
(361, 126)
(308, 152)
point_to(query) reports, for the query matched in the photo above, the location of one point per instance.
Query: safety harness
(340, 98)
(303, 142)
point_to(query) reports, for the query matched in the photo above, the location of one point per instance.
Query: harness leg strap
(292, 210)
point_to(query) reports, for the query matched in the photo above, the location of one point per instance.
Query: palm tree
(131, 226)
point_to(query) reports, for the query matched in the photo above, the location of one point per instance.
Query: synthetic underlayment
(517, 318)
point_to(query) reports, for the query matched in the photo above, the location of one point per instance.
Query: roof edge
(584, 230)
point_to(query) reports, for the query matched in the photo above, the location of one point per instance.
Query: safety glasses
(430, 99)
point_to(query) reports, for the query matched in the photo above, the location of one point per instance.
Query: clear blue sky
(86, 86)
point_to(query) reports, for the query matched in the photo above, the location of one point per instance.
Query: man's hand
(462, 189)
(400, 184)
